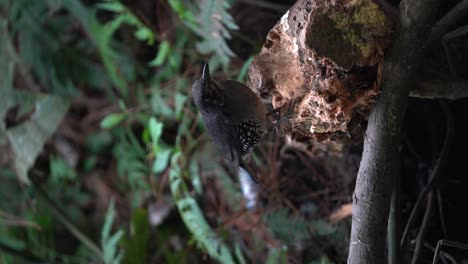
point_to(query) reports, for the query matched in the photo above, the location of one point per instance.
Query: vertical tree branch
(380, 158)
(393, 224)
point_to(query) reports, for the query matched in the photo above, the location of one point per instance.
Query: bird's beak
(206, 72)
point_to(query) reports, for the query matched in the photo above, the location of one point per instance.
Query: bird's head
(206, 92)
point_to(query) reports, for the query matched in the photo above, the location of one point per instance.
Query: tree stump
(330, 55)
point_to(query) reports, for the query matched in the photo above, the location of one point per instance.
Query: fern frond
(193, 217)
(211, 21)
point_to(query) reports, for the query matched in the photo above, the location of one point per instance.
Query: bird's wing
(232, 135)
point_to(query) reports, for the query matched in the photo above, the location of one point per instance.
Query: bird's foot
(282, 118)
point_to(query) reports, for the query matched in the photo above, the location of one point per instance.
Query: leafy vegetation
(101, 146)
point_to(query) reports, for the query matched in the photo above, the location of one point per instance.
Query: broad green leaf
(163, 53)
(111, 6)
(28, 138)
(145, 34)
(161, 160)
(136, 244)
(155, 129)
(112, 120)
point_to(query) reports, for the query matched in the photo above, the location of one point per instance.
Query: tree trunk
(330, 54)
(380, 159)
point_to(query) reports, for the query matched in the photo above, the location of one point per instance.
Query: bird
(234, 116)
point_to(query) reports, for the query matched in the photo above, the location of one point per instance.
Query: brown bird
(234, 116)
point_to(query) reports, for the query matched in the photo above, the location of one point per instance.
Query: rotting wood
(330, 53)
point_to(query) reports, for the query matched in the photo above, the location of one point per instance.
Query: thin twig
(447, 243)
(412, 150)
(461, 31)
(441, 214)
(422, 230)
(392, 234)
(436, 172)
(12, 220)
(446, 23)
(451, 87)
(445, 257)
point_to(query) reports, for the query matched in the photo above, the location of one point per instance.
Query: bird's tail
(251, 170)
(249, 188)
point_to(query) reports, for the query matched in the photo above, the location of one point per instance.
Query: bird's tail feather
(249, 188)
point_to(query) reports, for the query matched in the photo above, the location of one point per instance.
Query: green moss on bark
(358, 23)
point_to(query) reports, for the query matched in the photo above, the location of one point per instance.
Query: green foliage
(194, 170)
(285, 227)
(109, 241)
(193, 216)
(102, 36)
(238, 253)
(8, 60)
(289, 228)
(277, 256)
(131, 160)
(112, 120)
(136, 243)
(163, 54)
(162, 154)
(27, 139)
(322, 228)
(60, 171)
(210, 20)
(323, 260)
(55, 54)
(61, 50)
(46, 50)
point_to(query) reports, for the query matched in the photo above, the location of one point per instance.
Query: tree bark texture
(380, 159)
(450, 88)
